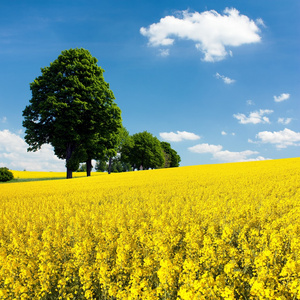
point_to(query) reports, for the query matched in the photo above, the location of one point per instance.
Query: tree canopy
(143, 151)
(112, 161)
(5, 174)
(139, 151)
(73, 109)
(172, 159)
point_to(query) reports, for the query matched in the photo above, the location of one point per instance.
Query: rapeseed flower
(226, 231)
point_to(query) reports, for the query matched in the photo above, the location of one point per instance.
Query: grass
(16, 180)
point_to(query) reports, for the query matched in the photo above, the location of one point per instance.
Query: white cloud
(14, 155)
(225, 155)
(229, 156)
(281, 139)
(254, 117)
(206, 148)
(179, 136)
(282, 97)
(210, 31)
(260, 22)
(225, 133)
(3, 120)
(250, 102)
(284, 121)
(226, 80)
(164, 52)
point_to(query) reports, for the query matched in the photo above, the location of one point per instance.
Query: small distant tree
(143, 151)
(172, 159)
(5, 174)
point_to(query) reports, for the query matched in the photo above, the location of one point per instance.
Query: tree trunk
(68, 156)
(69, 173)
(109, 165)
(88, 167)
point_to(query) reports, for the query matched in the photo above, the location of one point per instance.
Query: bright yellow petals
(228, 231)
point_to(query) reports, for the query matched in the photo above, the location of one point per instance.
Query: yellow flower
(202, 232)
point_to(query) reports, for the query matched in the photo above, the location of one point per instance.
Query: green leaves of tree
(72, 108)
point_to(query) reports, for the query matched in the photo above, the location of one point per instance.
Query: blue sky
(219, 80)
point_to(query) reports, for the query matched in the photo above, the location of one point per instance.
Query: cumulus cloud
(282, 97)
(229, 156)
(284, 121)
(254, 117)
(226, 80)
(211, 32)
(225, 133)
(225, 155)
(281, 139)
(179, 136)
(14, 155)
(206, 148)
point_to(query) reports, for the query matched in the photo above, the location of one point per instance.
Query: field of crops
(33, 176)
(227, 231)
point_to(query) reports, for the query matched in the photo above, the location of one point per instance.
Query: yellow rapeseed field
(47, 175)
(227, 231)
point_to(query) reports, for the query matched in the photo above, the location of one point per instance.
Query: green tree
(112, 161)
(143, 151)
(73, 109)
(101, 166)
(5, 174)
(172, 159)
(115, 166)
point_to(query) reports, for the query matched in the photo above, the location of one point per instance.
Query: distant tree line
(73, 109)
(140, 151)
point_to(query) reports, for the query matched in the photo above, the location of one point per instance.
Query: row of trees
(73, 109)
(140, 151)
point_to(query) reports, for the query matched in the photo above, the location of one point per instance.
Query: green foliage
(82, 168)
(5, 175)
(140, 151)
(73, 109)
(72, 164)
(172, 159)
(143, 151)
(101, 166)
(117, 166)
(112, 161)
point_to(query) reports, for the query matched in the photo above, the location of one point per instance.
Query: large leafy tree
(143, 151)
(73, 109)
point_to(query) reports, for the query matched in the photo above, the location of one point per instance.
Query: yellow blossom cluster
(227, 231)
